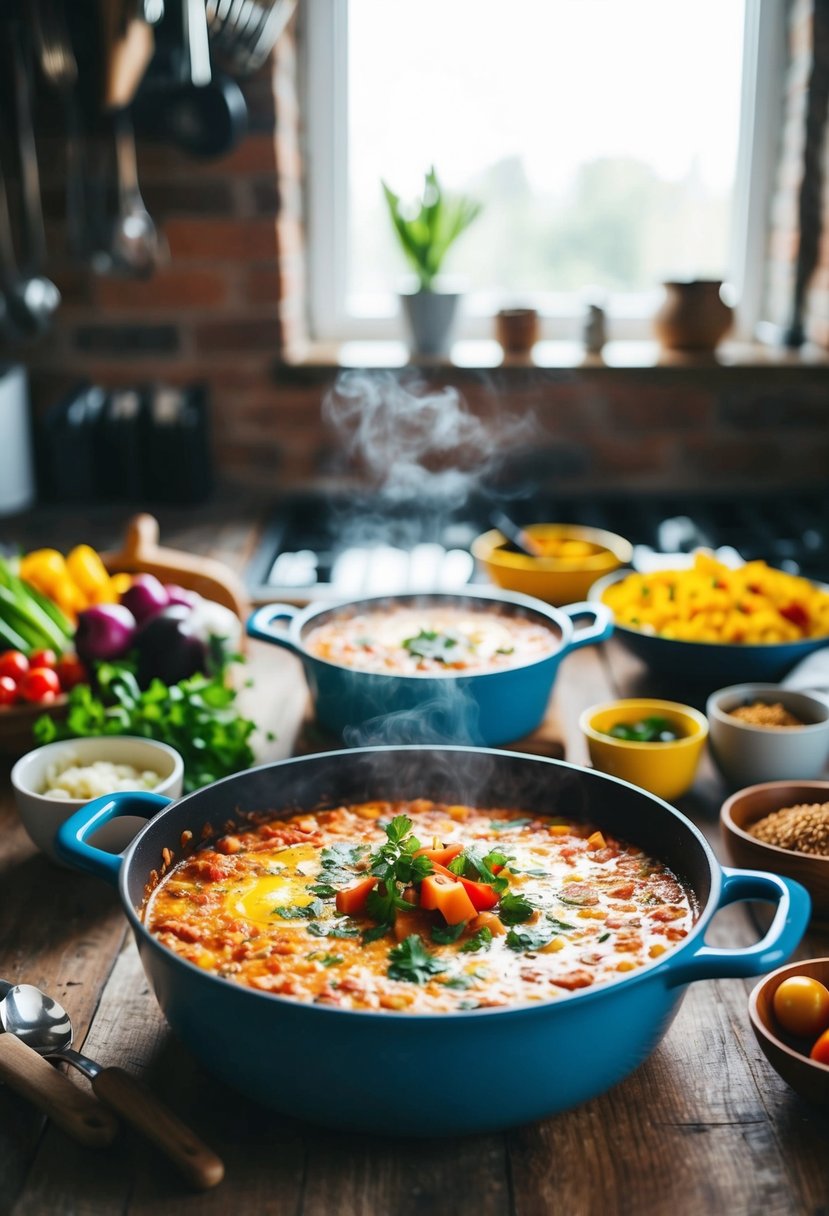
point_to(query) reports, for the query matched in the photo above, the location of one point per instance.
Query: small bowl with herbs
(653, 744)
(763, 732)
(782, 826)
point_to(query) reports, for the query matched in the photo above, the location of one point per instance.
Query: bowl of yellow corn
(712, 622)
(570, 559)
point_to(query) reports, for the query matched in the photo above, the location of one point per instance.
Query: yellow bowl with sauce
(665, 769)
(574, 558)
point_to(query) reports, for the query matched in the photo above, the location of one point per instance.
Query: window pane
(600, 135)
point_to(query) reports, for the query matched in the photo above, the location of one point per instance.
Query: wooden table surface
(703, 1126)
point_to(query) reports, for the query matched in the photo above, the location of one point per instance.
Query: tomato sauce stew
(419, 906)
(432, 640)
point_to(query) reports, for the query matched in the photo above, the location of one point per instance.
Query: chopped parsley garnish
(318, 930)
(561, 925)
(603, 937)
(297, 912)
(478, 941)
(429, 644)
(504, 825)
(323, 889)
(411, 961)
(527, 939)
(374, 933)
(515, 909)
(327, 960)
(444, 934)
(339, 861)
(472, 864)
(396, 866)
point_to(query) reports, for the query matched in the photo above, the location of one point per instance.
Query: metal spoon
(41, 1022)
(73, 1109)
(135, 245)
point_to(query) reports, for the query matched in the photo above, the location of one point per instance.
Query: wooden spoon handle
(147, 1113)
(75, 1110)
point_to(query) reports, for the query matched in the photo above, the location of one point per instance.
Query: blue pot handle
(599, 631)
(70, 841)
(787, 928)
(260, 625)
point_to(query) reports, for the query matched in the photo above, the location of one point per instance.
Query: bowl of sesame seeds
(782, 826)
(764, 732)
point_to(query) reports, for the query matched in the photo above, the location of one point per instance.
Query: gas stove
(319, 546)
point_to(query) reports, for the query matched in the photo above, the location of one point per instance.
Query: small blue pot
(712, 664)
(484, 709)
(501, 1067)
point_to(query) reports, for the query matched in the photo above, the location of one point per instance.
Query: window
(613, 144)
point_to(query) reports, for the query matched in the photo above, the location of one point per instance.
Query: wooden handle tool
(144, 1111)
(73, 1109)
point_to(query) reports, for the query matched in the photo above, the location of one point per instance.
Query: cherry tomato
(820, 1051)
(8, 690)
(43, 658)
(13, 663)
(801, 1006)
(40, 684)
(71, 671)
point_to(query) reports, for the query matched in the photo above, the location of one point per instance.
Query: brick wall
(232, 298)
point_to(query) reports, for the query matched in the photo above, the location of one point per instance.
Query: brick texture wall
(231, 298)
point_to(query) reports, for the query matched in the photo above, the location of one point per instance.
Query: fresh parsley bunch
(198, 717)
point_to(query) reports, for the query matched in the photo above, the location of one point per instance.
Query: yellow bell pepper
(90, 575)
(46, 570)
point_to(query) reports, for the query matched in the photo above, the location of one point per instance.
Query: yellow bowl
(560, 579)
(665, 769)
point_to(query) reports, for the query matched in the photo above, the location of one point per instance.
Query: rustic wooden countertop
(704, 1126)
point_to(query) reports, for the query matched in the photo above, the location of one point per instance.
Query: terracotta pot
(693, 316)
(517, 330)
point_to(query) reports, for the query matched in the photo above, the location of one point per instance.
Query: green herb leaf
(327, 960)
(442, 647)
(603, 937)
(295, 912)
(527, 939)
(318, 930)
(515, 909)
(323, 889)
(375, 933)
(504, 825)
(411, 961)
(560, 925)
(444, 934)
(481, 940)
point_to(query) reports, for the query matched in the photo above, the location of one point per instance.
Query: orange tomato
(801, 1006)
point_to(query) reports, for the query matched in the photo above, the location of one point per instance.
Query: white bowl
(749, 755)
(42, 816)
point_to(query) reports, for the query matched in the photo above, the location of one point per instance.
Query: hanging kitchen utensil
(35, 299)
(136, 247)
(206, 121)
(29, 301)
(244, 32)
(196, 41)
(129, 43)
(59, 66)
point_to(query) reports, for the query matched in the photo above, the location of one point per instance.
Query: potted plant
(426, 230)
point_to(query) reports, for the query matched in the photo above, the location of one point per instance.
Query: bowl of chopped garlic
(763, 732)
(710, 624)
(783, 827)
(52, 782)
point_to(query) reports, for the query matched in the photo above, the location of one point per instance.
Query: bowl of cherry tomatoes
(31, 685)
(789, 1013)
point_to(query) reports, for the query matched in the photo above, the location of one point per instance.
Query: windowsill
(487, 355)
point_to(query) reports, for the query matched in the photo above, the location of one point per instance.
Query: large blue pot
(456, 1073)
(709, 664)
(483, 709)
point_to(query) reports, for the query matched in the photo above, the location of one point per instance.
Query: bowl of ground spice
(782, 826)
(763, 732)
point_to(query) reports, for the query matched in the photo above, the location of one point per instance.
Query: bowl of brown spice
(782, 826)
(763, 732)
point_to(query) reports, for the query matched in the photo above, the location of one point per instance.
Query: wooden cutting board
(547, 740)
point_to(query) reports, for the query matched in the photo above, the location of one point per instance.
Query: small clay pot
(517, 330)
(693, 316)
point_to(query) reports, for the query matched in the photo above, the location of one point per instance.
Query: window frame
(324, 94)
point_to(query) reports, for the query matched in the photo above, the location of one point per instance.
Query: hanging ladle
(44, 1025)
(517, 537)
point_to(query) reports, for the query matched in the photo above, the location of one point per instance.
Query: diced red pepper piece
(797, 614)
(483, 896)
